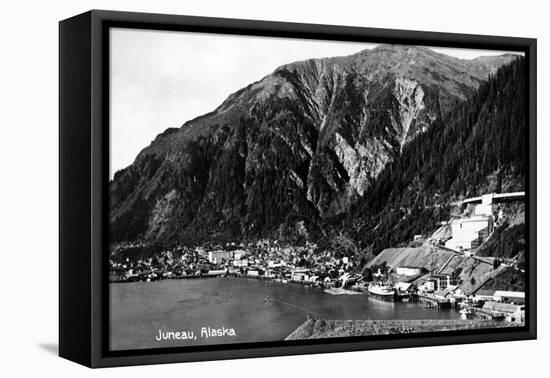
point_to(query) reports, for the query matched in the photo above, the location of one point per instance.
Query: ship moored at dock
(384, 292)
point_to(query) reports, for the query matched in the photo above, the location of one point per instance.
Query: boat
(382, 292)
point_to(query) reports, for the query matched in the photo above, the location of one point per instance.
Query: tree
(456, 157)
(343, 245)
(367, 275)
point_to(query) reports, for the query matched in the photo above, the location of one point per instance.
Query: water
(257, 310)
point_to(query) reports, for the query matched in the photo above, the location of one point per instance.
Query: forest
(479, 147)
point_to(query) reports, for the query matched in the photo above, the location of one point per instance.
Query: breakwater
(319, 328)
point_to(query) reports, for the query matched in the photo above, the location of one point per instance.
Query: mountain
(478, 148)
(283, 155)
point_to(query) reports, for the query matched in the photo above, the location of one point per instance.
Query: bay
(257, 310)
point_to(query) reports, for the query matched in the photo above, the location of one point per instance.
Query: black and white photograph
(269, 189)
(263, 189)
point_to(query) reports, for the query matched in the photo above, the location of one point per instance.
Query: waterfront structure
(509, 296)
(443, 295)
(217, 272)
(428, 287)
(501, 296)
(452, 294)
(442, 281)
(300, 274)
(484, 295)
(253, 272)
(404, 290)
(512, 312)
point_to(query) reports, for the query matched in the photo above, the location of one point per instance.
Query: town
(444, 276)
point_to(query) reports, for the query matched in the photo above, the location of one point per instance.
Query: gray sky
(160, 79)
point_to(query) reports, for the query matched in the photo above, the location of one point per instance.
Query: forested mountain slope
(289, 156)
(479, 147)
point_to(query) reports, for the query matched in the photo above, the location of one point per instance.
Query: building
(274, 264)
(427, 287)
(458, 293)
(443, 295)
(218, 272)
(217, 257)
(238, 254)
(442, 281)
(409, 270)
(403, 287)
(518, 316)
(469, 233)
(512, 312)
(240, 263)
(509, 296)
(501, 296)
(485, 295)
(253, 272)
(300, 274)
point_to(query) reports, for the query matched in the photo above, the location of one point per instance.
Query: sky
(161, 79)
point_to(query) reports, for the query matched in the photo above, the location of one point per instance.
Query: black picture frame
(83, 178)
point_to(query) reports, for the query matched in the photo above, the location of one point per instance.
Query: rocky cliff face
(299, 146)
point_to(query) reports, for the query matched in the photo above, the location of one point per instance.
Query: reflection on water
(257, 310)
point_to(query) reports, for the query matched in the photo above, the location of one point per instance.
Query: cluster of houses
(442, 290)
(509, 305)
(263, 259)
(309, 265)
(495, 305)
(438, 290)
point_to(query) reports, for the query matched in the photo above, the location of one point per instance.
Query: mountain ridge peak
(306, 140)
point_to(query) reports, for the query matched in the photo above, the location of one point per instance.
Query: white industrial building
(409, 270)
(486, 207)
(468, 233)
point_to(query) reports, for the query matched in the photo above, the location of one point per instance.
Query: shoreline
(233, 275)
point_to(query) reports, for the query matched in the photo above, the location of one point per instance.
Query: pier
(431, 301)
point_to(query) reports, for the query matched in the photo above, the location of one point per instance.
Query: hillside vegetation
(288, 156)
(478, 148)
